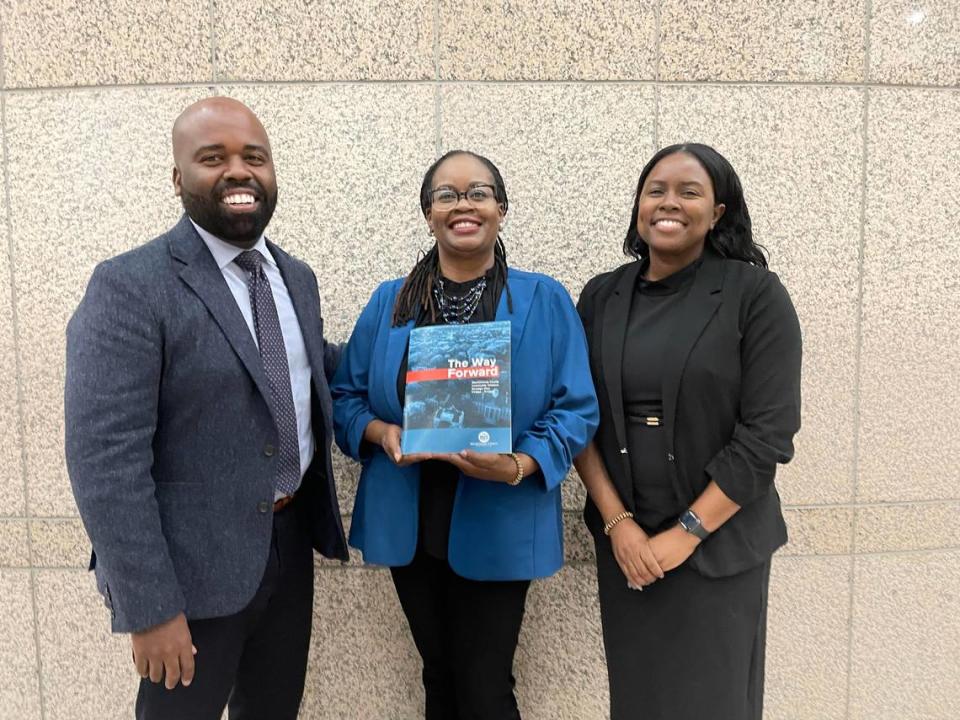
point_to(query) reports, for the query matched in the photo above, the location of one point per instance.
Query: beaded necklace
(458, 309)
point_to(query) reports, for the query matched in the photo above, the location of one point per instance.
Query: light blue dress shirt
(224, 254)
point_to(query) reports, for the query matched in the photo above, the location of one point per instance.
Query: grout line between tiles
(778, 557)
(656, 76)
(429, 81)
(858, 351)
(437, 110)
(212, 15)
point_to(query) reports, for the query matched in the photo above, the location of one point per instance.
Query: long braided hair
(416, 294)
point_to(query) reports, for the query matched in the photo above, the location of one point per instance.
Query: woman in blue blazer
(465, 533)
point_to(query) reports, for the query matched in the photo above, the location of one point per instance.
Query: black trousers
(466, 632)
(254, 661)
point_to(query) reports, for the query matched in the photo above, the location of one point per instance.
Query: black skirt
(685, 646)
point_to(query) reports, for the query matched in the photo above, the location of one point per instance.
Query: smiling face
(468, 229)
(223, 170)
(677, 209)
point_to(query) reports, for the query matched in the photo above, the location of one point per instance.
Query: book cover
(458, 389)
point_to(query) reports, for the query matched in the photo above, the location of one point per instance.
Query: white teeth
(670, 223)
(464, 223)
(238, 199)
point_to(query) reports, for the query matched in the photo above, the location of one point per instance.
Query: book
(458, 389)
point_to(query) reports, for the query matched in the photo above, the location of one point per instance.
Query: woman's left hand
(672, 547)
(485, 466)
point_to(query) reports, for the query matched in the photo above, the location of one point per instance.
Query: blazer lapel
(695, 311)
(397, 340)
(613, 334)
(521, 295)
(202, 275)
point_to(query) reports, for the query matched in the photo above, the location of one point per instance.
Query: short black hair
(732, 236)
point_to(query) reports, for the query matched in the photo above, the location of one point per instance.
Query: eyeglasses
(446, 198)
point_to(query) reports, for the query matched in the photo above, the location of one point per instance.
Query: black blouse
(438, 479)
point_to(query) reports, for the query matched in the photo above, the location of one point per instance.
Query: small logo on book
(484, 436)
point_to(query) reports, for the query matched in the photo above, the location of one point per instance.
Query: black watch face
(689, 521)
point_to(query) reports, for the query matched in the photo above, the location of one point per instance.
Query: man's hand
(165, 652)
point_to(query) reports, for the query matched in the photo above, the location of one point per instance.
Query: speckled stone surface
(363, 663)
(12, 500)
(19, 679)
(909, 426)
(905, 636)
(559, 664)
(570, 156)
(87, 671)
(818, 531)
(324, 40)
(103, 187)
(59, 543)
(350, 158)
(762, 40)
(105, 42)
(798, 152)
(806, 672)
(14, 543)
(915, 43)
(561, 40)
(908, 526)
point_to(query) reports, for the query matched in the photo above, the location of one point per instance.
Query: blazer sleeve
(113, 372)
(770, 357)
(571, 420)
(351, 383)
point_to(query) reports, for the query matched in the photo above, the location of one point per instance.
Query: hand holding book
(490, 466)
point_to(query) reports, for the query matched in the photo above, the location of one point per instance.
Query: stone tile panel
(807, 636)
(915, 43)
(562, 40)
(905, 636)
(324, 40)
(762, 40)
(909, 428)
(19, 679)
(105, 42)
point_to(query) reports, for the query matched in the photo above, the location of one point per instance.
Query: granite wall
(843, 119)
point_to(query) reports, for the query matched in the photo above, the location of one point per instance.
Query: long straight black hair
(732, 236)
(416, 294)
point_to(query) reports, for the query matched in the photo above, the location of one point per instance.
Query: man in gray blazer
(198, 429)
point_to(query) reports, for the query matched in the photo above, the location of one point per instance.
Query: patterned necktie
(274, 356)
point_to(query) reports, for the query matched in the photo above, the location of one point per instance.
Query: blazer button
(670, 457)
(269, 450)
(263, 507)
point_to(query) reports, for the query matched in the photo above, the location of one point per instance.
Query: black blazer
(731, 399)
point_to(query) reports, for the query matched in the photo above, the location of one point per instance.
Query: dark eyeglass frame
(464, 194)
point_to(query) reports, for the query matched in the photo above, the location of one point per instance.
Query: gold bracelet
(519, 477)
(622, 516)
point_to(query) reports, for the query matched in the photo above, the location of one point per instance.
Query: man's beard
(213, 216)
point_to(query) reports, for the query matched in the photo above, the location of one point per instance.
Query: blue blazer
(497, 531)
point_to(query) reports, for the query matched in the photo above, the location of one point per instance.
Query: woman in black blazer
(695, 352)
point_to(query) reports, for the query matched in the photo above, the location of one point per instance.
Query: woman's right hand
(631, 548)
(390, 437)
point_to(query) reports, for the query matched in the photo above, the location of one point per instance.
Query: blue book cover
(458, 389)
